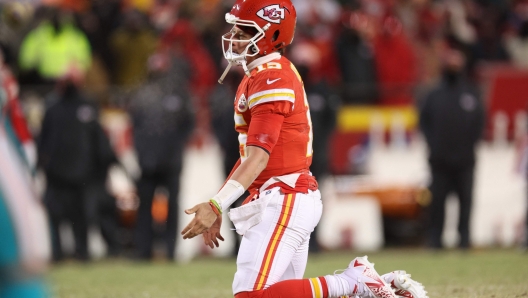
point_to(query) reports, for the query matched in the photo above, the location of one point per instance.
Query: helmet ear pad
(274, 38)
(275, 35)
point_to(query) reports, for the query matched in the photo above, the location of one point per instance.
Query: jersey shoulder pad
(270, 86)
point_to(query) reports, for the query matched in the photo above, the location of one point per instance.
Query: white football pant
(276, 248)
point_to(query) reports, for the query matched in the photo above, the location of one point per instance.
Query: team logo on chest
(242, 105)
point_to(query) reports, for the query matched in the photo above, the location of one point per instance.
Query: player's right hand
(212, 235)
(203, 219)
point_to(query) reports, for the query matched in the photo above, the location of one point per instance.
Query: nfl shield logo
(242, 104)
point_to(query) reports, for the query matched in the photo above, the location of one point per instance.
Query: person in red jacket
(13, 112)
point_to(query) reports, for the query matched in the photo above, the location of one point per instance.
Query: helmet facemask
(251, 49)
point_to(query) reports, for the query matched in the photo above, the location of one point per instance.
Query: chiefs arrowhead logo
(272, 13)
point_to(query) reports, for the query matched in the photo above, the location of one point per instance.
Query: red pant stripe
(276, 237)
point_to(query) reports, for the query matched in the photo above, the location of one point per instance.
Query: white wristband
(231, 191)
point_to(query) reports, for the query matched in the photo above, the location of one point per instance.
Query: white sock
(337, 286)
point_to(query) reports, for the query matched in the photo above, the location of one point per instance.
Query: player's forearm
(242, 177)
(249, 170)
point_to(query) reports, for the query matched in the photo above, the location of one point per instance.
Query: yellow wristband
(216, 205)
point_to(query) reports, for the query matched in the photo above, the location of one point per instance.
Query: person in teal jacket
(24, 244)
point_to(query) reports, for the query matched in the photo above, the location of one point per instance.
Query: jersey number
(309, 149)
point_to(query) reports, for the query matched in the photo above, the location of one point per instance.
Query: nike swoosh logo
(272, 81)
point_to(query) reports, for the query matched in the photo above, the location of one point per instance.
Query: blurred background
(124, 124)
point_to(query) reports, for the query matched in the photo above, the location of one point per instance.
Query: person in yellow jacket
(54, 47)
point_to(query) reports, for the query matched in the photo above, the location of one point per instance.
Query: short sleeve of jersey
(271, 92)
(271, 98)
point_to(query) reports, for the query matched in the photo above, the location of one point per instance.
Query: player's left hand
(203, 219)
(212, 235)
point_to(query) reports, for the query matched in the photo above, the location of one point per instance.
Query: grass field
(477, 273)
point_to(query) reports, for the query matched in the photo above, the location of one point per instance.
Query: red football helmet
(273, 22)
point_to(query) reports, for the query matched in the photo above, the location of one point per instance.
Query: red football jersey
(271, 112)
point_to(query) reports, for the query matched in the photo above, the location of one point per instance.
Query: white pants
(276, 249)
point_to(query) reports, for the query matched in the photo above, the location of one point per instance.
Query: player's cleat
(404, 286)
(364, 281)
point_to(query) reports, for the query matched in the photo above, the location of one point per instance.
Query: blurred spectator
(316, 25)
(184, 40)
(131, 45)
(461, 31)
(164, 13)
(428, 41)
(517, 46)
(101, 208)
(458, 16)
(162, 119)
(326, 11)
(14, 16)
(356, 60)
(69, 153)
(24, 249)
(395, 59)
(452, 120)
(99, 23)
(52, 48)
(489, 45)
